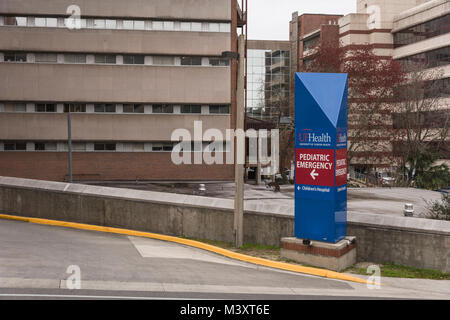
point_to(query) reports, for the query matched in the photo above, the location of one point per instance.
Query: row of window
(113, 108)
(429, 119)
(439, 88)
(78, 146)
(114, 24)
(82, 146)
(422, 31)
(435, 58)
(113, 59)
(311, 43)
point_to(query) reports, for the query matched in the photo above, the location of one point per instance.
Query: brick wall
(53, 166)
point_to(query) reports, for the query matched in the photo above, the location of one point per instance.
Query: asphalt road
(35, 261)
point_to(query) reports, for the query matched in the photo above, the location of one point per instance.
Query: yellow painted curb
(196, 244)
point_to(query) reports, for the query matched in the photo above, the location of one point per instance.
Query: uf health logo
(308, 138)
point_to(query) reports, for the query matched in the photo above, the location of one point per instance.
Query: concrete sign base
(333, 256)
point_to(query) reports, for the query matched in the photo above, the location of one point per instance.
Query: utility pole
(69, 143)
(239, 168)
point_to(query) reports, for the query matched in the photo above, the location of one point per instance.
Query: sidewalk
(387, 201)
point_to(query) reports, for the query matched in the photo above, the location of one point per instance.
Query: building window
(133, 108)
(268, 74)
(103, 24)
(52, 22)
(220, 109)
(139, 25)
(99, 24)
(133, 147)
(168, 26)
(311, 43)
(158, 25)
(45, 146)
(105, 58)
(15, 21)
(46, 22)
(45, 57)
(112, 24)
(45, 107)
(75, 58)
(214, 27)
(225, 27)
(71, 23)
(162, 108)
(15, 57)
(134, 24)
(15, 107)
(100, 146)
(78, 146)
(191, 61)
(191, 108)
(438, 88)
(196, 26)
(15, 146)
(435, 58)
(104, 107)
(161, 60)
(74, 107)
(133, 59)
(162, 147)
(128, 24)
(423, 31)
(185, 26)
(218, 62)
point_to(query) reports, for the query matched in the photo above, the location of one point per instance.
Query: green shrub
(439, 210)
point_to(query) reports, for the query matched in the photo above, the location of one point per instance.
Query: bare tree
(422, 128)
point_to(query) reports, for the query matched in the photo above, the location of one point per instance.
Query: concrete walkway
(386, 201)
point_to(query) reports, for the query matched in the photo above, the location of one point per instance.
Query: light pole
(239, 168)
(69, 143)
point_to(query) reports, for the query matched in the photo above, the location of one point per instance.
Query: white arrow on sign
(314, 174)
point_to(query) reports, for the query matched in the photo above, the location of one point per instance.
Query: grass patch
(250, 246)
(395, 271)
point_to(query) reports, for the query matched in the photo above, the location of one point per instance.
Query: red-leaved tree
(372, 80)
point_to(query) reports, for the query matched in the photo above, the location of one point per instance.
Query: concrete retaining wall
(406, 241)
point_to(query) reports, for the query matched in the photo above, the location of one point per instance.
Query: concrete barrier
(407, 241)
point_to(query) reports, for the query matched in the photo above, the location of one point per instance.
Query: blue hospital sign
(321, 156)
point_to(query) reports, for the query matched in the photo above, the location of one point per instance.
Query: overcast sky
(269, 19)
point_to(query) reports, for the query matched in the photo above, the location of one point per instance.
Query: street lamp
(239, 168)
(69, 143)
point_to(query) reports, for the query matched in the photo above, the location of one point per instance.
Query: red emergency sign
(341, 167)
(315, 167)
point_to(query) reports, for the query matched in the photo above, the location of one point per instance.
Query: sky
(269, 19)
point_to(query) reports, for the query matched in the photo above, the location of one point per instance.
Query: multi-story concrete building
(421, 36)
(268, 78)
(130, 73)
